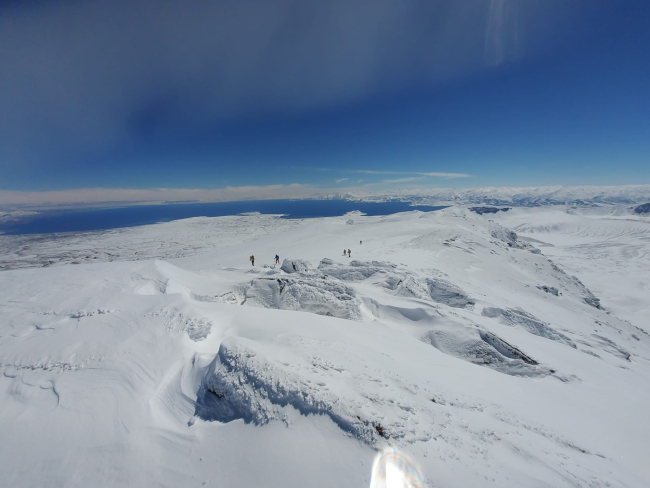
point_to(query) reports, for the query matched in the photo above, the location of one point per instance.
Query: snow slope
(170, 361)
(607, 246)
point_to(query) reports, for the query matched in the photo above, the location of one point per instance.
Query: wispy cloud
(373, 172)
(405, 180)
(380, 172)
(448, 175)
(438, 175)
(342, 179)
(224, 60)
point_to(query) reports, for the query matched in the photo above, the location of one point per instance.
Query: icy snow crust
(447, 335)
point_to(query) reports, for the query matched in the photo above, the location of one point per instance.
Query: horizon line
(97, 196)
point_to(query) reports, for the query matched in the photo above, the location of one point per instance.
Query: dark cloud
(77, 76)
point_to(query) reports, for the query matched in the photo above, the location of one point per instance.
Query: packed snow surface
(496, 349)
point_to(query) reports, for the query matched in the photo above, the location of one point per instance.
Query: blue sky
(483, 93)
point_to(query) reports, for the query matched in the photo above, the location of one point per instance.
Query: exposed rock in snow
(593, 301)
(488, 210)
(509, 237)
(642, 209)
(549, 289)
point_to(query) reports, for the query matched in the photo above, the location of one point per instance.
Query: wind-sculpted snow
(251, 381)
(483, 348)
(357, 270)
(611, 347)
(322, 295)
(244, 384)
(528, 322)
(401, 281)
(196, 327)
(447, 337)
(295, 266)
(442, 291)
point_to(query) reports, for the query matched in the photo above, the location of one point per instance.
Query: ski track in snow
(164, 359)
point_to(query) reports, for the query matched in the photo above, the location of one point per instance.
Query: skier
(252, 258)
(349, 253)
(277, 259)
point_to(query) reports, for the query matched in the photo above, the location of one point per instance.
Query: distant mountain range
(521, 197)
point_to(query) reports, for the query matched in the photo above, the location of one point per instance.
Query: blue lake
(112, 218)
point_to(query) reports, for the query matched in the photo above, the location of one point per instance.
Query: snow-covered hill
(165, 359)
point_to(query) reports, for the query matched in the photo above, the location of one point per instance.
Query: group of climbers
(348, 252)
(252, 259)
(277, 258)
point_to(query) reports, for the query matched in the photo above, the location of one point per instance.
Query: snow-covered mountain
(158, 356)
(522, 197)
(11, 215)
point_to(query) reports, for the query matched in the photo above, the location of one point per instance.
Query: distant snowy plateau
(505, 349)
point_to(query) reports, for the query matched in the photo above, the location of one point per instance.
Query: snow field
(439, 337)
